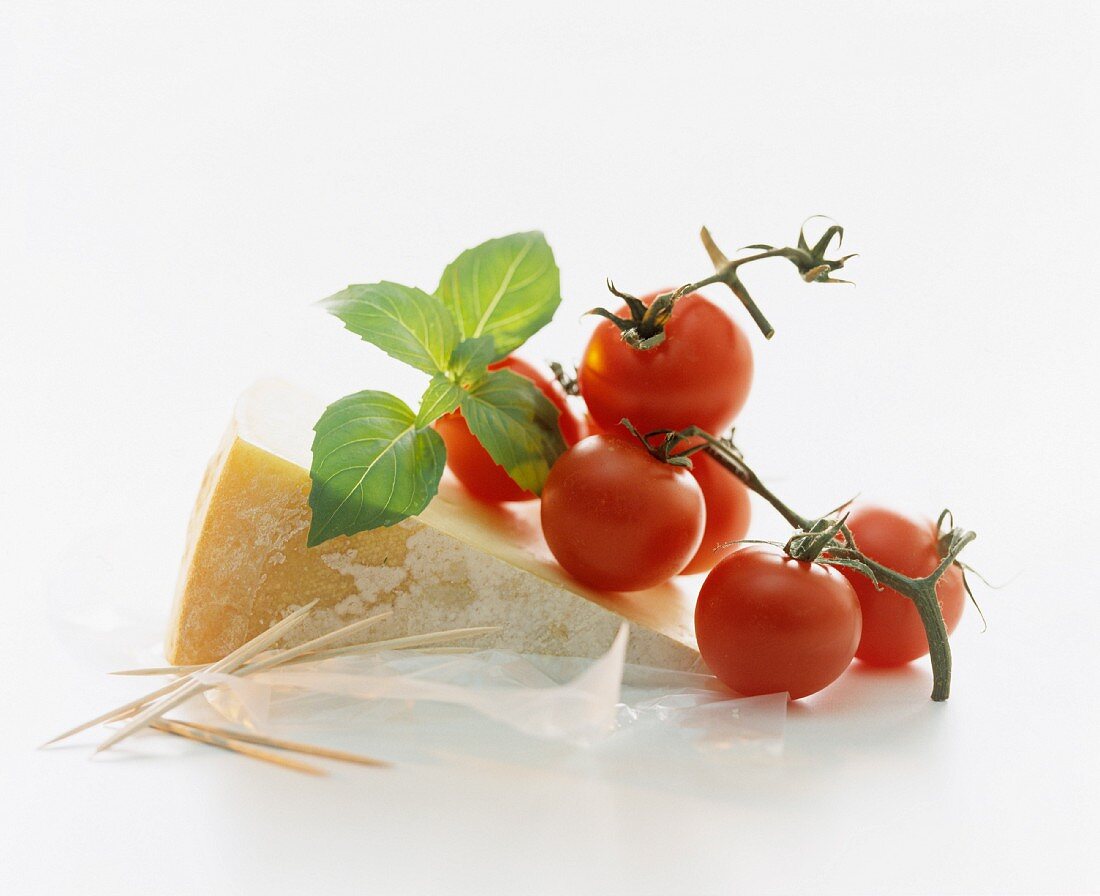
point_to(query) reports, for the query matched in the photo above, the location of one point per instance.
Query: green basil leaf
(507, 288)
(516, 424)
(372, 466)
(405, 322)
(442, 397)
(472, 357)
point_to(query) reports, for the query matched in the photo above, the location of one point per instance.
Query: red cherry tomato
(618, 519)
(471, 463)
(768, 624)
(699, 375)
(727, 514)
(728, 509)
(892, 631)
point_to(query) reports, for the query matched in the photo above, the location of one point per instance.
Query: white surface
(178, 184)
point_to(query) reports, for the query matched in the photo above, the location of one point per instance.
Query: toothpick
(308, 651)
(227, 664)
(161, 670)
(128, 709)
(118, 712)
(280, 656)
(234, 744)
(292, 653)
(275, 659)
(370, 646)
(294, 746)
(398, 643)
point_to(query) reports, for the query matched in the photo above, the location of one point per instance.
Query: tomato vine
(644, 329)
(828, 540)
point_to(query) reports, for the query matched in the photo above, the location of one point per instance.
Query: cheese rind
(460, 563)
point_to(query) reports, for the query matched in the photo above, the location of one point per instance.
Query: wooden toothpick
(293, 746)
(399, 643)
(280, 656)
(234, 744)
(310, 651)
(118, 712)
(277, 658)
(254, 656)
(228, 664)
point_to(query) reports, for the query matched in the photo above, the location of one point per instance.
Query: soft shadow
(868, 712)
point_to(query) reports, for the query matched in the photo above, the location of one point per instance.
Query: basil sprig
(375, 460)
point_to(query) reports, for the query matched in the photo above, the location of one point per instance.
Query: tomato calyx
(666, 451)
(945, 526)
(818, 545)
(828, 540)
(810, 260)
(645, 328)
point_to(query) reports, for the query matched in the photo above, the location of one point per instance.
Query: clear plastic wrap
(566, 700)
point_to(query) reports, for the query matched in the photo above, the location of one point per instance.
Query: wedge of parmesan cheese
(460, 563)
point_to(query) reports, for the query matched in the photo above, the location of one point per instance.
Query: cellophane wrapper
(447, 701)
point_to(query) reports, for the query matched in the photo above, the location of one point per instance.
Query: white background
(178, 182)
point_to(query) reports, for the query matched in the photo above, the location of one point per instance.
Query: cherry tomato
(619, 519)
(728, 509)
(768, 624)
(892, 631)
(727, 514)
(471, 463)
(699, 375)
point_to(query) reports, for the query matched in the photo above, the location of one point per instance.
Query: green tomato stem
(730, 458)
(644, 328)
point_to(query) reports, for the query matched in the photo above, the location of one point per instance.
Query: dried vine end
(717, 257)
(726, 272)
